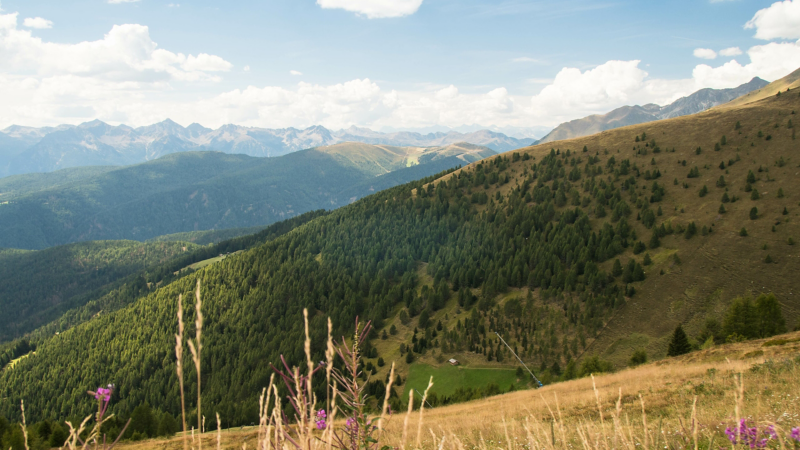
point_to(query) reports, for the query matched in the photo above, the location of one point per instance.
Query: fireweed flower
(751, 436)
(795, 434)
(321, 416)
(103, 396)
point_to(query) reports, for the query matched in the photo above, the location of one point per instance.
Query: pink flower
(321, 416)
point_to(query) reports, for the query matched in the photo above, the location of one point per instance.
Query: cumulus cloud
(781, 20)
(295, 73)
(37, 22)
(374, 9)
(770, 61)
(731, 51)
(705, 53)
(126, 78)
(126, 53)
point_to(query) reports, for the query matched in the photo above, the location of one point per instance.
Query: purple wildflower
(352, 423)
(103, 394)
(795, 434)
(321, 416)
(749, 436)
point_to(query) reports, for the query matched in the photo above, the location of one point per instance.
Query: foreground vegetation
(741, 394)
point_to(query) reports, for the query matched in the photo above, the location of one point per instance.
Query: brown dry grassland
(668, 389)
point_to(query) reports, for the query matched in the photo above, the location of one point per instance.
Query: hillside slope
(37, 287)
(524, 244)
(632, 115)
(197, 191)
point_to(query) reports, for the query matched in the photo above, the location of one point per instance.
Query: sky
(381, 64)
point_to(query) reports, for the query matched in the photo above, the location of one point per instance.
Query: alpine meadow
(572, 268)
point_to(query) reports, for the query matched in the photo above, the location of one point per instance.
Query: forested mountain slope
(36, 287)
(597, 247)
(197, 191)
(49, 291)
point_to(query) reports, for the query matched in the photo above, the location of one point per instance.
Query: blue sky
(275, 63)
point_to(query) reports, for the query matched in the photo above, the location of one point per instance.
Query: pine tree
(679, 345)
(740, 320)
(647, 261)
(770, 318)
(753, 213)
(654, 241)
(616, 270)
(722, 209)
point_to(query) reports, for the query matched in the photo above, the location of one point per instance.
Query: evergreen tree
(770, 318)
(679, 345)
(616, 270)
(647, 261)
(167, 426)
(753, 213)
(741, 319)
(58, 436)
(142, 421)
(654, 241)
(712, 329)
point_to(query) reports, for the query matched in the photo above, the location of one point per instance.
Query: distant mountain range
(34, 150)
(193, 191)
(632, 115)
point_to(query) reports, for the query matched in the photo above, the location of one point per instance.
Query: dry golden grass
(666, 388)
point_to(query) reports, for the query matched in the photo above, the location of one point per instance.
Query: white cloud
(126, 53)
(126, 77)
(205, 63)
(246, 68)
(770, 61)
(705, 53)
(37, 22)
(731, 51)
(114, 2)
(295, 73)
(174, 5)
(781, 20)
(374, 9)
